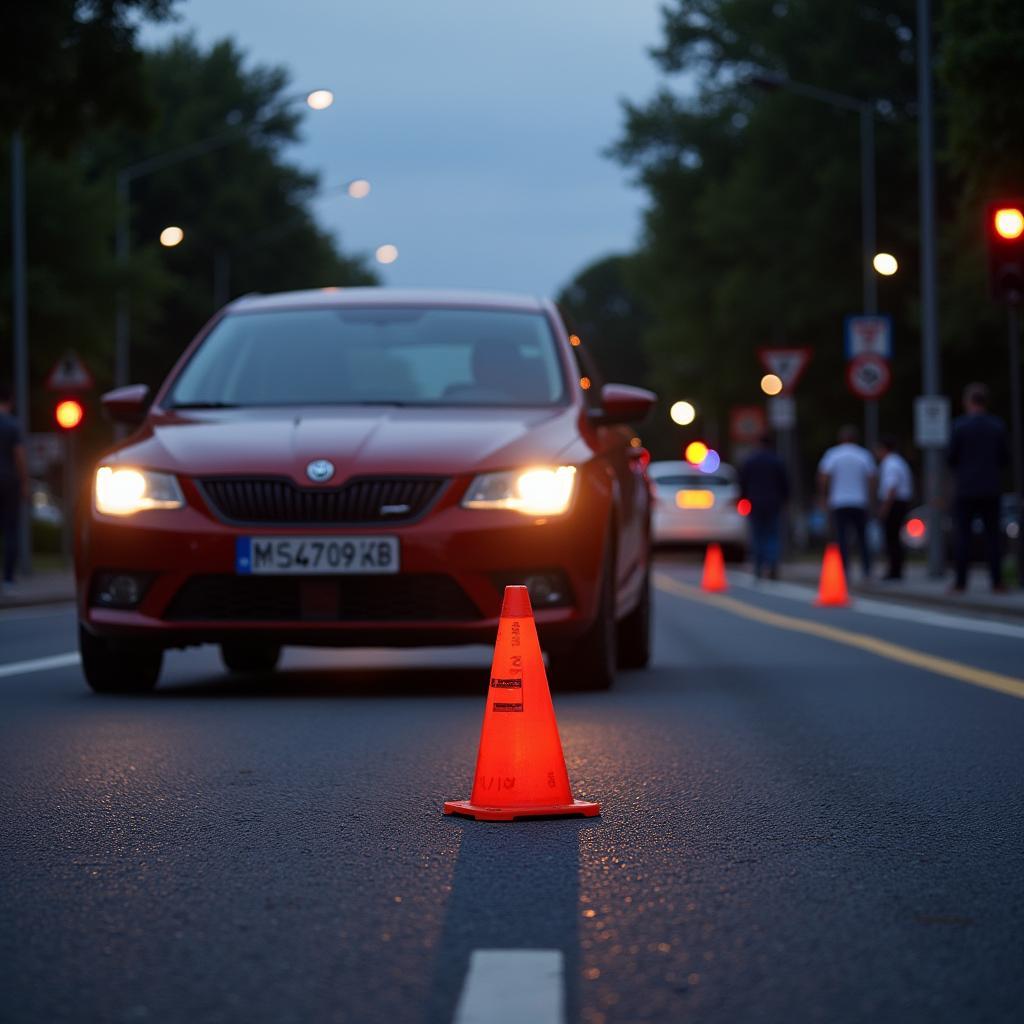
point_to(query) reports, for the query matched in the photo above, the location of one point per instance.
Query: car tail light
(743, 506)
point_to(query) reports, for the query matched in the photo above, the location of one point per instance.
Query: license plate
(316, 556)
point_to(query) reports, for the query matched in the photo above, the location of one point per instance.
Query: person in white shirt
(895, 491)
(846, 476)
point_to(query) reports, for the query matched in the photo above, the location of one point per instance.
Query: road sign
(786, 363)
(782, 412)
(868, 376)
(931, 421)
(868, 335)
(69, 374)
(746, 423)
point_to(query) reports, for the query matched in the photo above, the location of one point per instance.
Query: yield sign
(69, 374)
(786, 363)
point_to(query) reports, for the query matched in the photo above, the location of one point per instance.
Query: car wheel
(112, 670)
(634, 639)
(590, 663)
(250, 656)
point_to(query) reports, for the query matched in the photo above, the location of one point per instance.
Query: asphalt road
(799, 825)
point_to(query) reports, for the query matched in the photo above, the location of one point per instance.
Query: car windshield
(374, 355)
(693, 482)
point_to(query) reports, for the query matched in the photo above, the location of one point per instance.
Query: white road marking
(17, 668)
(513, 986)
(886, 609)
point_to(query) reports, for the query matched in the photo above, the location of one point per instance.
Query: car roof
(335, 297)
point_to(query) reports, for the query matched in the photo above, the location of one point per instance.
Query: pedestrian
(895, 491)
(978, 454)
(13, 483)
(846, 475)
(764, 482)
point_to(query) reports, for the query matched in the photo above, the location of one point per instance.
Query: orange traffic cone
(832, 588)
(520, 769)
(714, 570)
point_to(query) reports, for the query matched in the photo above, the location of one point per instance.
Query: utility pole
(930, 382)
(20, 330)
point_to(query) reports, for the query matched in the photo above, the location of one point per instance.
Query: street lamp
(171, 236)
(318, 99)
(682, 413)
(387, 253)
(771, 384)
(358, 189)
(885, 264)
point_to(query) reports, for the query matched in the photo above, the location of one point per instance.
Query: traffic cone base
(713, 577)
(520, 768)
(832, 592)
(467, 809)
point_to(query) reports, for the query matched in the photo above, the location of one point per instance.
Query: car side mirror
(127, 404)
(622, 403)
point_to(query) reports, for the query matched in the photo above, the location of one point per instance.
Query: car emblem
(320, 470)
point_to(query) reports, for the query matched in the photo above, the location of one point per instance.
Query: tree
(72, 67)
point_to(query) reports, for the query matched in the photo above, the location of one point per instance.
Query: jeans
(10, 509)
(855, 518)
(965, 511)
(893, 544)
(764, 540)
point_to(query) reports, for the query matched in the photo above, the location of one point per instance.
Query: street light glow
(682, 413)
(319, 99)
(359, 189)
(1008, 222)
(171, 236)
(885, 264)
(771, 384)
(387, 253)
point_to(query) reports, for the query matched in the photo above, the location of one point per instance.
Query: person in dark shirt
(978, 454)
(765, 484)
(13, 482)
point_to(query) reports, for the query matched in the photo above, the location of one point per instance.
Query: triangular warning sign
(69, 374)
(786, 363)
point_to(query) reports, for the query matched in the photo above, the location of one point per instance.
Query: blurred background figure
(13, 482)
(895, 492)
(846, 474)
(765, 484)
(978, 454)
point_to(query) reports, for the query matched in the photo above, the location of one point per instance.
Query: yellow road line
(1010, 685)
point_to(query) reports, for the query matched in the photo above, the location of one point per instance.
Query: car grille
(278, 500)
(413, 597)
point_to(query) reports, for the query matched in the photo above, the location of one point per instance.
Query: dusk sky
(480, 125)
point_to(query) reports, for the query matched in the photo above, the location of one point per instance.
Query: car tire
(589, 664)
(634, 639)
(250, 656)
(113, 670)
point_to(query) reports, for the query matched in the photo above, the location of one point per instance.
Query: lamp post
(19, 324)
(318, 99)
(865, 110)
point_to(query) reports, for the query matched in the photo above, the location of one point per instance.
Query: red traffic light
(1004, 231)
(68, 414)
(1008, 222)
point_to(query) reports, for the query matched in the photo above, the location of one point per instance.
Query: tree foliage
(752, 234)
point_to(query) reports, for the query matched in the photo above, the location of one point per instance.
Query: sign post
(788, 364)
(868, 336)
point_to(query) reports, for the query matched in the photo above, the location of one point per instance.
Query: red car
(368, 467)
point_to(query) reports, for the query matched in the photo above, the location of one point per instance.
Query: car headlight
(537, 491)
(123, 491)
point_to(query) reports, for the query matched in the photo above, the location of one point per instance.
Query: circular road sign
(868, 375)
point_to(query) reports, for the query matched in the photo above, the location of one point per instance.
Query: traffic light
(68, 413)
(1004, 229)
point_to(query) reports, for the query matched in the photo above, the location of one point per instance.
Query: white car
(696, 507)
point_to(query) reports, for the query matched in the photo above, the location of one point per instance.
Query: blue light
(711, 462)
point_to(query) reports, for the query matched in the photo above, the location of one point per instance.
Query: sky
(479, 123)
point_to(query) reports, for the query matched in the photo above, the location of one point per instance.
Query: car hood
(357, 441)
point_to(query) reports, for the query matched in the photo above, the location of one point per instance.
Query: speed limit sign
(868, 375)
